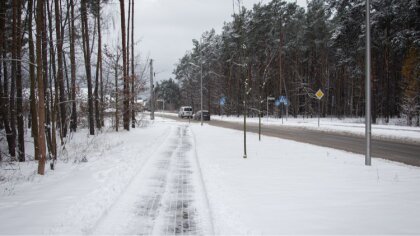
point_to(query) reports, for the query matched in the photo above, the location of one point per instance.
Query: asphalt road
(408, 153)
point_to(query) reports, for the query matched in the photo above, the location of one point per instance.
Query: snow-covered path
(146, 181)
(165, 196)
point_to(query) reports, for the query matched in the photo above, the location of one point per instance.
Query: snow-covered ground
(172, 178)
(351, 126)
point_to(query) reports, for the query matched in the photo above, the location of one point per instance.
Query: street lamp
(368, 130)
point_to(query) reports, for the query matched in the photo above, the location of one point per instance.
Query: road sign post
(282, 108)
(319, 94)
(269, 99)
(282, 100)
(319, 111)
(259, 129)
(222, 102)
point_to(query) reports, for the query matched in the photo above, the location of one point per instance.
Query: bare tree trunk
(2, 26)
(72, 33)
(128, 58)
(98, 68)
(117, 117)
(34, 113)
(133, 77)
(19, 101)
(2, 113)
(102, 94)
(60, 74)
(86, 52)
(126, 102)
(102, 103)
(12, 98)
(45, 79)
(17, 68)
(41, 102)
(53, 75)
(11, 140)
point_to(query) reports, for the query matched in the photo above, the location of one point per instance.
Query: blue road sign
(222, 101)
(282, 99)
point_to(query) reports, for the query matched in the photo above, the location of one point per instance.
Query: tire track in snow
(149, 206)
(180, 213)
(185, 209)
(105, 223)
(166, 197)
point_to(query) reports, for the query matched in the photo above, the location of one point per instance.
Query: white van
(185, 111)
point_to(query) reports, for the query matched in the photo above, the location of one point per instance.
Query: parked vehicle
(206, 115)
(185, 111)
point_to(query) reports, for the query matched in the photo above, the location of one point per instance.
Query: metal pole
(282, 108)
(332, 106)
(368, 130)
(259, 130)
(267, 109)
(152, 103)
(201, 90)
(245, 123)
(319, 110)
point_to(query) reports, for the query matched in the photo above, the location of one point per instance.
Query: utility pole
(152, 99)
(368, 130)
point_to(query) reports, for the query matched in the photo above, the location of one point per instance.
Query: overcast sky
(166, 27)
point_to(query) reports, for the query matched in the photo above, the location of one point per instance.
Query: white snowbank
(286, 187)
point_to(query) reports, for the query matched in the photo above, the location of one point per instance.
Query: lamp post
(201, 91)
(367, 86)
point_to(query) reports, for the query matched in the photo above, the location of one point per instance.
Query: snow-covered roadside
(346, 126)
(286, 187)
(350, 126)
(71, 199)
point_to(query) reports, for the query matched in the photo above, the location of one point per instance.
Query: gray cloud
(167, 27)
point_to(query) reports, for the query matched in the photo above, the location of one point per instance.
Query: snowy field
(177, 178)
(351, 126)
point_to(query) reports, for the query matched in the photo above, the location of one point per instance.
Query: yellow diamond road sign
(319, 94)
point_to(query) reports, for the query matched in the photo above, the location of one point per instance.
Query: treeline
(281, 49)
(50, 52)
